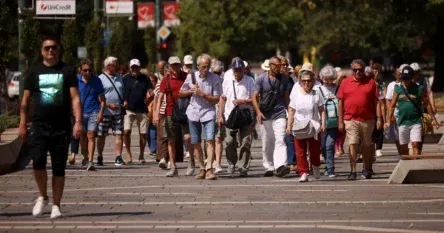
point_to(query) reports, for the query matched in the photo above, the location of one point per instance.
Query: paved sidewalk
(138, 198)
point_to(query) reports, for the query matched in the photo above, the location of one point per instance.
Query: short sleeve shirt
(111, 94)
(408, 114)
(89, 94)
(306, 105)
(359, 98)
(244, 90)
(136, 92)
(263, 85)
(171, 89)
(50, 93)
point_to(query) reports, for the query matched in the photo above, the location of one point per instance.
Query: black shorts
(43, 139)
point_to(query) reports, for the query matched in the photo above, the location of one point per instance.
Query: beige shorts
(359, 131)
(140, 118)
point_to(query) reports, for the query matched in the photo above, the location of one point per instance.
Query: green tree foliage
(149, 38)
(30, 42)
(94, 42)
(70, 42)
(120, 43)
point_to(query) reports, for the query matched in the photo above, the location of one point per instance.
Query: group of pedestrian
(301, 113)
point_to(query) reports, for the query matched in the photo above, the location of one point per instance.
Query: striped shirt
(200, 109)
(157, 91)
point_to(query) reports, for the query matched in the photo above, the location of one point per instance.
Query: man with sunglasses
(53, 87)
(93, 105)
(137, 86)
(274, 92)
(358, 101)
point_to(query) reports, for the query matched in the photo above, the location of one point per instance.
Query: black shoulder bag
(122, 109)
(268, 98)
(239, 117)
(180, 108)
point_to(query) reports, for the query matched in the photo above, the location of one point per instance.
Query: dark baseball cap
(407, 73)
(238, 64)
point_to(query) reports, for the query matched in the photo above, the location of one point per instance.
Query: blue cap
(407, 73)
(238, 64)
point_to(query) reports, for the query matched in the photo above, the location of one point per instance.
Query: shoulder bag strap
(193, 78)
(234, 90)
(408, 97)
(322, 93)
(336, 91)
(115, 88)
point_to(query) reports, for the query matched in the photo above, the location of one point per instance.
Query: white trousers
(274, 149)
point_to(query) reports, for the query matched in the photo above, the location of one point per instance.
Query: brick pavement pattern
(138, 198)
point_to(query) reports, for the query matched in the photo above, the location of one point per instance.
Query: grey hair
(109, 61)
(328, 71)
(199, 59)
(358, 61)
(218, 65)
(306, 72)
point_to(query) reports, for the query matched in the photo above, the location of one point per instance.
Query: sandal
(142, 161)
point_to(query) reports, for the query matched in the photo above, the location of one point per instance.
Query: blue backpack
(331, 111)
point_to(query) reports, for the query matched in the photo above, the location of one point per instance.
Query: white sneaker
(190, 169)
(37, 211)
(304, 178)
(218, 170)
(378, 153)
(230, 169)
(163, 164)
(169, 165)
(187, 155)
(316, 173)
(55, 213)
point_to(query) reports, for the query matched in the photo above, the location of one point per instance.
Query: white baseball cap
(415, 66)
(245, 64)
(134, 62)
(174, 60)
(188, 60)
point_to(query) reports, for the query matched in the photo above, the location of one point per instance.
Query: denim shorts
(196, 130)
(90, 121)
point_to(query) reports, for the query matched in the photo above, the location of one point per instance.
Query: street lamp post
(159, 23)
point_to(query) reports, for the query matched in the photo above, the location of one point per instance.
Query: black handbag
(180, 108)
(268, 98)
(239, 117)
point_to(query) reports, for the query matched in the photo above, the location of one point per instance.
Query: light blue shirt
(111, 93)
(200, 109)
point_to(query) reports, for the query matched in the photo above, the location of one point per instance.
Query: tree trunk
(438, 81)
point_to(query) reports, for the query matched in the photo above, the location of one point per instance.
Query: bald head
(161, 67)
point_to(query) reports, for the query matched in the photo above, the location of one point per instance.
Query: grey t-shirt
(263, 85)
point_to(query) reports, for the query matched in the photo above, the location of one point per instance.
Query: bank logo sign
(55, 7)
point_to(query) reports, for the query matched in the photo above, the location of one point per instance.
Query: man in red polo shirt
(358, 108)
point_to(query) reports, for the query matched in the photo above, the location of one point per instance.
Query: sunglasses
(86, 71)
(356, 70)
(53, 47)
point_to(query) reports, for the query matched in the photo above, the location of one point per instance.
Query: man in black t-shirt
(137, 85)
(53, 87)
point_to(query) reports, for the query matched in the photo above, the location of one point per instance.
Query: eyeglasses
(86, 71)
(53, 47)
(356, 70)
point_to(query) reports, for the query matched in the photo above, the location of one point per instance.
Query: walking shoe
(255, 135)
(371, 172)
(230, 169)
(378, 153)
(292, 167)
(171, 173)
(90, 167)
(187, 155)
(316, 173)
(268, 173)
(40, 203)
(282, 171)
(169, 165)
(55, 213)
(366, 174)
(332, 175)
(218, 169)
(84, 162)
(201, 175)
(209, 175)
(325, 173)
(352, 176)
(163, 164)
(304, 178)
(191, 168)
(118, 161)
(243, 172)
(99, 160)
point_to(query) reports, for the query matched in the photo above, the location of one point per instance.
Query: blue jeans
(152, 138)
(196, 131)
(328, 149)
(291, 152)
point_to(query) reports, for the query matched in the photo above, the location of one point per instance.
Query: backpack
(331, 111)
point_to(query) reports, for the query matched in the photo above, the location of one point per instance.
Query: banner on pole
(170, 10)
(55, 7)
(119, 7)
(145, 15)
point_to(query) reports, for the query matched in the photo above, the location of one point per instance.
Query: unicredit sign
(53, 7)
